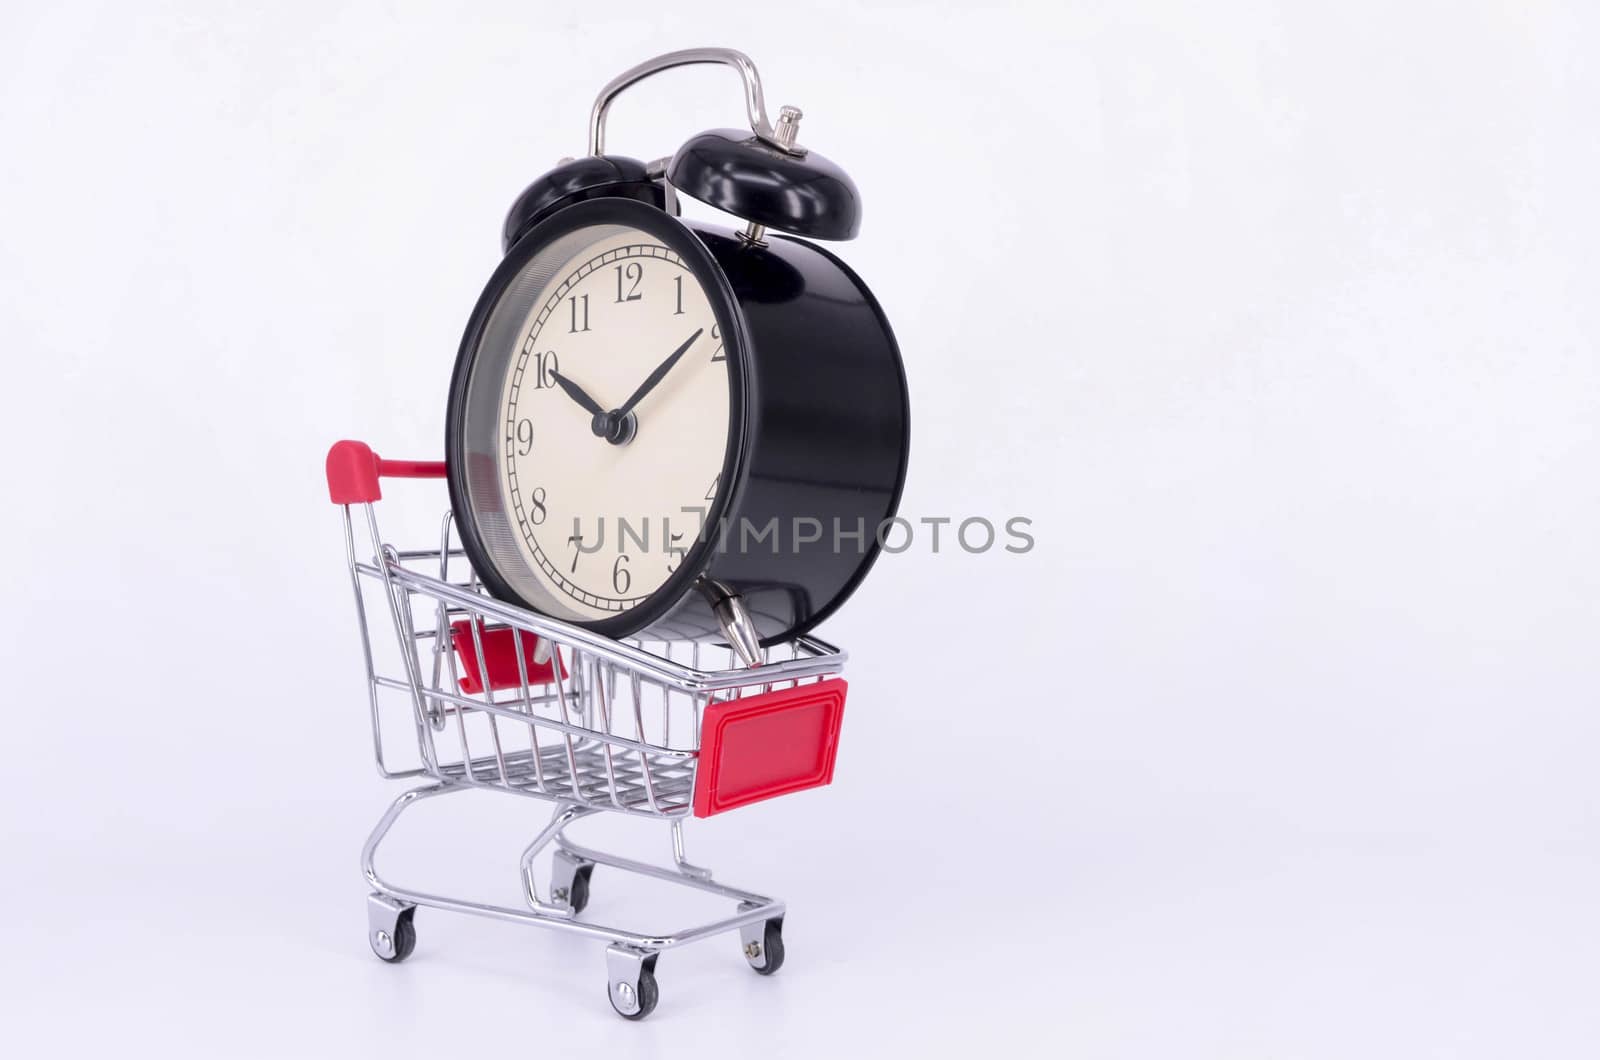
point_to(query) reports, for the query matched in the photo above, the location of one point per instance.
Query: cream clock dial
(614, 417)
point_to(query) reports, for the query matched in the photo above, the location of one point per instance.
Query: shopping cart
(499, 697)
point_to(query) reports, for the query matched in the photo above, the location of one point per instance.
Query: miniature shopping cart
(499, 697)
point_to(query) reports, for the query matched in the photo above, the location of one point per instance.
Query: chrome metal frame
(616, 729)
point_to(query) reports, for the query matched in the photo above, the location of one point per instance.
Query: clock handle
(754, 104)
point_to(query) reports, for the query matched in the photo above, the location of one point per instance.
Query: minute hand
(656, 376)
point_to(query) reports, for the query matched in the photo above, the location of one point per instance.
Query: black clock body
(819, 430)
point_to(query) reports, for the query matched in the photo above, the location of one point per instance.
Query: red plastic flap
(500, 652)
(767, 745)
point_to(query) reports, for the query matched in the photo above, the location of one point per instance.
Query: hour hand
(578, 394)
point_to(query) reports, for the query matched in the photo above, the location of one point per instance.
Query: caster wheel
(578, 893)
(635, 1003)
(766, 956)
(395, 946)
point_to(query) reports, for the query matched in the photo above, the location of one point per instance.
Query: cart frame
(598, 718)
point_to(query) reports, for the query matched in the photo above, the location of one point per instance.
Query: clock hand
(577, 393)
(656, 376)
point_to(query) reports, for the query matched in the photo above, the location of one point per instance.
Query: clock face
(613, 420)
(639, 405)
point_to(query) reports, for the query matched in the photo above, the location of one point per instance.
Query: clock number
(545, 367)
(525, 437)
(711, 494)
(679, 281)
(621, 580)
(676, 551)
(576, 541)
(572, 303)
(717, 354)
(539, 511)
(635, 272)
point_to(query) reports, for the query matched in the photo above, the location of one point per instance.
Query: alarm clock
(667, 427)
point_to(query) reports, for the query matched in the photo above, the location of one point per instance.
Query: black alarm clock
(664, 426)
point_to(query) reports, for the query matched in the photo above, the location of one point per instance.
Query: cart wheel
(397, 945)
(635, 1003)
(578, 893)
(766, 956)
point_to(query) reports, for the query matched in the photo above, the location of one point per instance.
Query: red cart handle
(354, 470)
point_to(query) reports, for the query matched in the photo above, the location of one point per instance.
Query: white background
(1278, 319)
